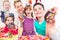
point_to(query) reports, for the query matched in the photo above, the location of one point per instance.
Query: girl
(10, 26)
(50, 19)
(28, 28)
(40, 23)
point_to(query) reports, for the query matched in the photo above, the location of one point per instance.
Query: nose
(37, 12)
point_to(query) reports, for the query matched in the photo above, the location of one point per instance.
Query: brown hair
(12, 25)
(9, 16)
(16, 1)
(47, 14)
(27, 7)
(39, 4)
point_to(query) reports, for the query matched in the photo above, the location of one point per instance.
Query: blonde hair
(15, 1)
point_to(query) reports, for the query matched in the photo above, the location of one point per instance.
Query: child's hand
(20, 30)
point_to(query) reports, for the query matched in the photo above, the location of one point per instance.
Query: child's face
(6, 6)
(51, 18)
(28, 12)
(19, 7)
(9, 20)
(38, 10)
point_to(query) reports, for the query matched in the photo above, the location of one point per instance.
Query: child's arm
(6, 29)
(47, 30)
(20, 30)
(35, 31)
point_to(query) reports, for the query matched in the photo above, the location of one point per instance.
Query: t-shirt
(12, 31)
(28, 27)
(40, 28)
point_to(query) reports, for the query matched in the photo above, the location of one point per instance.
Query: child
(6, 11)
(10, 26)
(50, 19)
(19, 7)
(28, 27)
(19, 15)
(40, 23)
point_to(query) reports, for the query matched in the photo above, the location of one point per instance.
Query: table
(14, 37)
(33, 37)
(11, 37)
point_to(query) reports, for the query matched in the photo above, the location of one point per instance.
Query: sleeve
(6, 30)
(35, 28)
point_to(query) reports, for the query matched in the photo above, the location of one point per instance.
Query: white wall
(1, 5)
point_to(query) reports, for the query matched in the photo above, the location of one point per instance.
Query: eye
(7, 20)
(17, 6)
(20, 5)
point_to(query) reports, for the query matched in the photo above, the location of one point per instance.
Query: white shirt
(16, 21)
